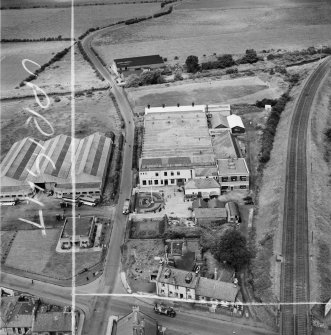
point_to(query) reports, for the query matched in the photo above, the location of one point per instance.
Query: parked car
(162, 309)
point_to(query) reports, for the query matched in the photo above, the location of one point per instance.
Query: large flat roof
(232, 166)
(178, 139)
(138, 61)
(224, 145)
(50, 161)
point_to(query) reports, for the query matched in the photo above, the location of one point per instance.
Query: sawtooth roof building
(32, 164)
(176, 146)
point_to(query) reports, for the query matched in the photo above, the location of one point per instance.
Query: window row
(234, 178)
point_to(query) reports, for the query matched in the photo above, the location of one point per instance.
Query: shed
(235, 123)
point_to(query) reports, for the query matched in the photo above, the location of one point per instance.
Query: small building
(85, 228)
(219, 121)
(233, 174)
(233, 212)
(203, 185)
(53, 323)
(137, 63)
(135, 323)
(175, 283)
(235, 124)
(210, 215)
(217, 291)
(224, 110)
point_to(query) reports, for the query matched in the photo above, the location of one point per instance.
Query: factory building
(32, 165)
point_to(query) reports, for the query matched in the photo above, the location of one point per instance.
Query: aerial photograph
(165, 167)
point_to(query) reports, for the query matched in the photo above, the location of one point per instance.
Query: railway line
(295, 314)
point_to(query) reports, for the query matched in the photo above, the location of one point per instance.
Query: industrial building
(133, 64)
(233, 174)
(32, 165)
(176, 146)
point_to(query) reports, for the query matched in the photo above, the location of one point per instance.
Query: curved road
(295, 317)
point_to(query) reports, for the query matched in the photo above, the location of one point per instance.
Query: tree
(232, 249)
(225, 61)
(250, 57)
(192, 64)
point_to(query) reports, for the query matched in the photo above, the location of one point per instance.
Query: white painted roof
(235, 121)
(174, 109)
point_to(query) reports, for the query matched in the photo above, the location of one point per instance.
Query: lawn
(12, 54)
(95, 113)
(51, 22)
(205, 27)
(35, 253)
(6, 238)
(147, 228)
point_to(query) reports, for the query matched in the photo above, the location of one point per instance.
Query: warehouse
(30, 166)
(176, 146)
(137, 63)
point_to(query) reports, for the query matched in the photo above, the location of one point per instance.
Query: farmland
(49, 22)
(28, 246)
(12, 71)
(205, 27)
(95, 113)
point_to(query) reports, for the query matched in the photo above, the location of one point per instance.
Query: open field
(57, 78)
(60, 3)
(51, 22)
(205, 27)
(95, 113)
(12, 54)
(35, 253)
(203, 91)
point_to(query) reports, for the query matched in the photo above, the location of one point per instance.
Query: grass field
(200, 92)
(96, 113)
(33, 252)
(12, 54)
(205, 27)
(51, 22)
(57, 3)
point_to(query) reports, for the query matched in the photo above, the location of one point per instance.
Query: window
(172, 181)
(156, 182)
(162, 285)
(156, 174)
(178, 173)
(172, 173)
(243, 178)
(144, 182)
(225, 178)
(161, 182)
(176, 287)
(150, 182)
(165, 173)
(243, 186)
(234, 178)
(162, 291)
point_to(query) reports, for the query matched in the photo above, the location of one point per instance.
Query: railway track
(295, 312)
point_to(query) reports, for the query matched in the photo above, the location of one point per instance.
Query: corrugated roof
(217, 289)
(225, 146)
(139, 61)
(219, 121)
(235, 121)
(91, 154)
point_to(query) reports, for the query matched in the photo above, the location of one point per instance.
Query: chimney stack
(177, 105)
(192, 104)
(163, 105)
(148, 106)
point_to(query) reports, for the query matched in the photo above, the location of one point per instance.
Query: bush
(178, 76)
(250, 57)
(265, 101)
(327, 134)
(231, 71)
(192, 64)
(145, 78)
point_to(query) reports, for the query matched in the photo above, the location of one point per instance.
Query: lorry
(126, 206)
(162, 309)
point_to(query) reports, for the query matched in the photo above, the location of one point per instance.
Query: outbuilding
(235, 124)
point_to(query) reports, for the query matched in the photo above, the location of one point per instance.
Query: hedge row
(42, 39)
(117, 109)
(163, 13)
(137, 19)
(271, 127)
(138, 133)
(167, 2)
(57, 57)
(86, 57)
(99, 58)
(120, 142)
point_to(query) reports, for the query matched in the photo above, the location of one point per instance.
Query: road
(295, 318)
